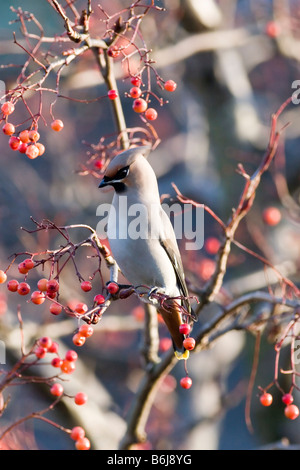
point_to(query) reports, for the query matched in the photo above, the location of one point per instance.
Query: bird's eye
(122, 173)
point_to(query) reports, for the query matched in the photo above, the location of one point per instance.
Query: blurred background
(234, 62)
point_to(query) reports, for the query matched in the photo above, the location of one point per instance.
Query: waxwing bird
(150, 257)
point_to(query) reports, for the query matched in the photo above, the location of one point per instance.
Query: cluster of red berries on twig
(25, 141)
(189, 344)
(291, 411)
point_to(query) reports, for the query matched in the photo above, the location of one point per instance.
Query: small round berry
(37, 297)
(55, 308)
(212, 245)
(33, 135)
(186, 382)
(112, 94)
(77, 433)
(7, 108)
(14, 142)
(28, 263)
(53, 348)
(42, 285)
(291, 412)
(86, 330)
(45, 342)
(78, 339)
(24, 136)
(23, 288)
(139, 105)
(3, 277)
(185, 328)
(136, 81)
(52, 286)
(271, 216)
(81, 308)
(113, 288)
(22, 268)
(32, 151)
(57, 125)
(56, 362)
(266, 399)
(57, 389)
(71, 355)
(67, 366)
(80, 398)
(135, 92)
(41, 148)
(86, 286)
(272, 29)
(170, 85)
(23, 147)
(83, 444)
(98, 164)
(189, 343)
(99, 299)
(113, 52)
(12, 285)
(151, 114)
(8, 129)
(165, 344)
(40, 352)
(287, 399)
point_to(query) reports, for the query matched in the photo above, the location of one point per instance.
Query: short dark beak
(103, 183)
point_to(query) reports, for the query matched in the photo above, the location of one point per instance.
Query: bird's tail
(172, 316)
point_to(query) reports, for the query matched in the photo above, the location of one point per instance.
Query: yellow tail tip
(184, 355)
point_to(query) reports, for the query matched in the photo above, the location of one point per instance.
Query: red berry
(3, 277)
(271, 216)
(57, 125)
(98, 164)
(41, 148)
(8, 128)
(151, 114)
(14, 142)
(28, 263)
(45, 342)
(77, 433)
(185, 328)
(266, 399)
(135, 92)
(56, 362)
(53, 348)
(7, 108)
(287, 399)
(78, 339)
(291, 412)
(52, 286)
(40, 352)
(57, 389)
(32, 151)
(71, 355)
(113, 52)
(37, 297)
(86, 330)
(86, 286)
(112, 94)
(99, 299)
(139, 105)
(113, 288)
(24, 136)
(165, 344)
(83, 444)
(170, 85)
(186, 382)
(42, 285)
(81, 308)
(272, 29)
(80, 398)
(12, 285)
(136, 81)
(23, 148)
(206, 268)
(33, 135)
(22, 268)
(55, 309)
(189, 343)
(67, 366)
(23, 288)
(212, 245)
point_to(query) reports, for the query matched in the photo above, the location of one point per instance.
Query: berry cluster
(189, 344)
(291, 411)
(25, 141)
